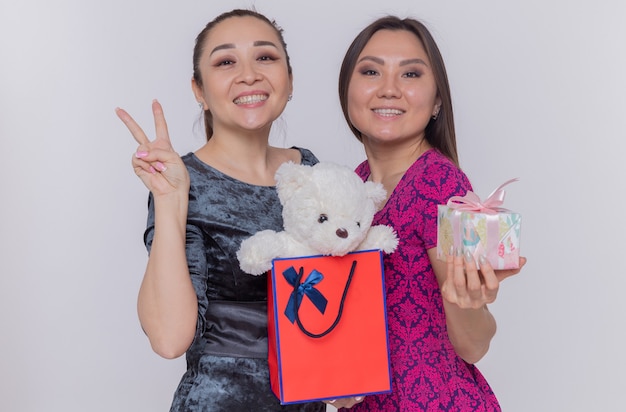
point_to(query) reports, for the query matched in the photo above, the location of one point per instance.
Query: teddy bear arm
(381, 237)
(257, 252)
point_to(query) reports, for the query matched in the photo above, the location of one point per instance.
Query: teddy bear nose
(342, 233)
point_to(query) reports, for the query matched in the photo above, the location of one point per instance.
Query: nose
(342, 233)
(389, 88)
(249, 73)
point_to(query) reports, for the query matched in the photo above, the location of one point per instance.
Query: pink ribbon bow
(472, 203)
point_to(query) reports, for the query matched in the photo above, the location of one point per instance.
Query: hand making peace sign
(156, 163)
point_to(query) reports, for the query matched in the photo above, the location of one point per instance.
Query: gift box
(481, 227)
(327, 327)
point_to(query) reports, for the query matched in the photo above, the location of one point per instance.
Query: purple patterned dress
(427, 374)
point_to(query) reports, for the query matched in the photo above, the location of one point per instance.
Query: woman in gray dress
(194, 299)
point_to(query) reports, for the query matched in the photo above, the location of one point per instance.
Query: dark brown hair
(439, 132)
(199, 48)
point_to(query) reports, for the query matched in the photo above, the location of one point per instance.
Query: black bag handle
(337, 319)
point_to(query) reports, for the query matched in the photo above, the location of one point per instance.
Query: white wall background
(539, 91)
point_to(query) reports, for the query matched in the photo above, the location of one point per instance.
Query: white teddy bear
(327, 210)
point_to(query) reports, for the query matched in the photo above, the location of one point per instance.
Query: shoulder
(440, 175)
(306, 156)
(191, 161)
(189, 157)
(363, 170)
(199, 171)
(203, 178)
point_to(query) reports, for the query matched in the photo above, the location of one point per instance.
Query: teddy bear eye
(322, 218)
(358, 224)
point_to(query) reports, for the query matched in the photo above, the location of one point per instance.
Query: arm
(466, 291)
(167, 303)
(381, 237)
(255, 253)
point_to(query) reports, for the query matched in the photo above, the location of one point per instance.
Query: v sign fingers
(156, 163)
(160, 125)
(162, 140)
(133, 127)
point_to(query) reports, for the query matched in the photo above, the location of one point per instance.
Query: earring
(435, 115)
(201, 106)
(289, 97)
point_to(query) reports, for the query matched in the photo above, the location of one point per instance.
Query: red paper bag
(343, 350)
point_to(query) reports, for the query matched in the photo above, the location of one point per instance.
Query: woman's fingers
(156, 163)
(472, 276)
(138, 134)
(141, 162)
(468, 286)
(345, 402)
(490, 283)
(150, 157)
(162, 134)
(470, 289)
(160, 124)
(488, 275)
(458, 272)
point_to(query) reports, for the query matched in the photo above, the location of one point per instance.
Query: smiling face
(392, 93)
(245, 80)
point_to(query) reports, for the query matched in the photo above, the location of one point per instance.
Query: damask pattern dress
(427, 374)
(227, 362)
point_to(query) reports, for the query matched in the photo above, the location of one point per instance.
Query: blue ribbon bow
(305, 288)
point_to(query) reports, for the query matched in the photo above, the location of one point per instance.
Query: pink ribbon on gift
(490, 206)
(472, 203)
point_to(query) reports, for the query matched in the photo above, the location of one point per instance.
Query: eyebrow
(232, 45)
(380, 61)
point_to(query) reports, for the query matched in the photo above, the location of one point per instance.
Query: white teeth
(254, 98)
(388, 112)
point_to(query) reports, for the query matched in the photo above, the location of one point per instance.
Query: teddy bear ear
(376, 192)
(289, 177)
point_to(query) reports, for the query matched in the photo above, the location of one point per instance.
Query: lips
(251, 99)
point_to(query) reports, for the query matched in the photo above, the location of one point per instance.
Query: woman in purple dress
(395, 96)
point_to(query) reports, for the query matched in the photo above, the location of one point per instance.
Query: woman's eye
(267, 58)
(225, 62)
(413, 74)
(369, 72)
